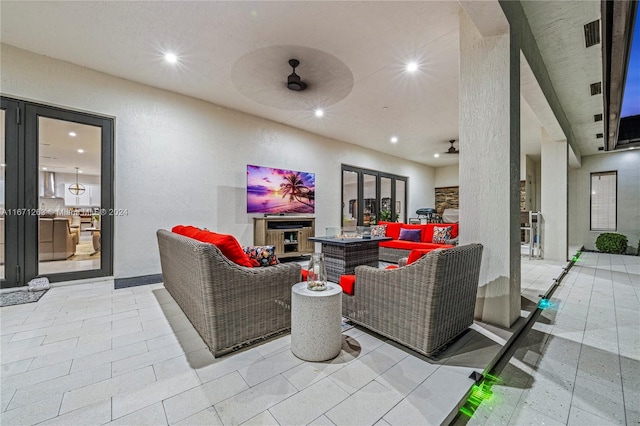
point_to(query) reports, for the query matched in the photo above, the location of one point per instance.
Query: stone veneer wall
(448, 197)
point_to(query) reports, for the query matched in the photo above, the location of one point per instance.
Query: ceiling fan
(452, 149)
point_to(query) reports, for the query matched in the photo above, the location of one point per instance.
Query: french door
(370, 196)
(56, 192)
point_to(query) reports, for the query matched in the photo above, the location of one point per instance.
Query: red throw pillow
(228, 245)
(347, 282)
(190, 231)
(391, 267)
(416, 254)
(177, 229)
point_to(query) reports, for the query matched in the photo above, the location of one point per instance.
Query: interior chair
(55, 239)
(422, 306)
(74, 225)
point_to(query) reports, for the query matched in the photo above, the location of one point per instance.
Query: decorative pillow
(410, 235)
(264, 255)
(415, 255)
(348, 283)
(441, 234)
(379, 231)
(228, 245)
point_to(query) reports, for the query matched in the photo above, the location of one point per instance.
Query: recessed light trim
(394, 139)
(319, 112)
(80, 151)
(436, 155)
(73, 134)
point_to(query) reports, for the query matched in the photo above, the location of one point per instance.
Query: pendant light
(76, 188)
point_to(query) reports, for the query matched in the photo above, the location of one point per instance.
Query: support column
(490, 166)
(554, 199)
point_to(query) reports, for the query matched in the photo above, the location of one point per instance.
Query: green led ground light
(479, 393)
(575, 258)
(544, 304)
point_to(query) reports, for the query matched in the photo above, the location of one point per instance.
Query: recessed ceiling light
(436, 155)
(318, 112)
(79, 171)
(73, 134)
(412, 66)
(44, 168)
(80, 151)
(394, 139)
(171, 58)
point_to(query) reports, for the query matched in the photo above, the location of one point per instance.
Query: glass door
(369, 196)
(69, 162)
(3, 166)
(11, 251)
(69, 186)
(349, 199)
(56, 193)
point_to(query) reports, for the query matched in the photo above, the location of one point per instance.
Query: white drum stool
(316, 322)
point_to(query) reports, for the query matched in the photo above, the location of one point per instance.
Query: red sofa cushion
(227, 244)
(347, 282)
(304, 274)
(187, 231)
(393, 229)
(418, 253)
(409, 245)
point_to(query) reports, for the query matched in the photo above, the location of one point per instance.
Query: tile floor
(89, 354)
(580, 362)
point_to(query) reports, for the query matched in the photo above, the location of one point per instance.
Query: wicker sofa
(423, 305)
(230, 306)
(396, 249)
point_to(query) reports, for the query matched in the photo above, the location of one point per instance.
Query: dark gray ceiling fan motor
(293, 81)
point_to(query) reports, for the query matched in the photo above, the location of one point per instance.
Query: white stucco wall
(180, 160)
(627, 164)
(447, 176)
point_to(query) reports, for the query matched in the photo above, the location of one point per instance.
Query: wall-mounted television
(278, 191)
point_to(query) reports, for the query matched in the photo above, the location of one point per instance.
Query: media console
(289, 235)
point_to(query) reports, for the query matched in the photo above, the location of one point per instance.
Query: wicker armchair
(423, 305)
(230, 306)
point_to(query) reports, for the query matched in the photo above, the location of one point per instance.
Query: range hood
(50, 186)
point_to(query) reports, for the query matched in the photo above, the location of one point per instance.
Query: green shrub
(610, 242)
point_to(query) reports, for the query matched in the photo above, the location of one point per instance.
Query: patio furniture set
(422, 305)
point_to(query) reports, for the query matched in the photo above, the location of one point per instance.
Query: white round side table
(316, 322)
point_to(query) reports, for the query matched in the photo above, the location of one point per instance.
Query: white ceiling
(221, 44)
